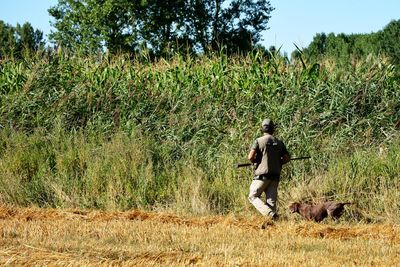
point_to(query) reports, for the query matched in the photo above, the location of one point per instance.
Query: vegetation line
(119, 133)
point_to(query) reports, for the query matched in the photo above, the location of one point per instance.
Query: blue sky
(292, 21)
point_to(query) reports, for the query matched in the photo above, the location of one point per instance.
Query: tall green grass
(116, 133)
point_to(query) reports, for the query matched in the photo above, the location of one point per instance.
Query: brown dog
(320, 211)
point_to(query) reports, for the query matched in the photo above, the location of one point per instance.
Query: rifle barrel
(298, 158)
(249, 164)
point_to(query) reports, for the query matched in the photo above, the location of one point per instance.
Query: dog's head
(294, 207)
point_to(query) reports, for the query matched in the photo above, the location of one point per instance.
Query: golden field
(53, 237)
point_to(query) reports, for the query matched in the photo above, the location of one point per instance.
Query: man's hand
(285, 159)
(252, 155)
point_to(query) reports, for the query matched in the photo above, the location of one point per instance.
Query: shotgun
(250, 164)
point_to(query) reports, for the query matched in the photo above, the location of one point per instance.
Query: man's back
(269, 151)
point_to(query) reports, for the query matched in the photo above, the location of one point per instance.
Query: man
(268, 154)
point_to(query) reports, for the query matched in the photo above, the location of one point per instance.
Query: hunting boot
(270, 221)
(267, 223)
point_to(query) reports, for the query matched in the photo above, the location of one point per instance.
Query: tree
(28, 38)
(236, 26)
(160, 25)
(15, 40)
(346, 47)
(317, 47)
(7, 39)
(389, 41)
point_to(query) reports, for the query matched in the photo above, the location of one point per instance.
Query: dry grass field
(51, 237)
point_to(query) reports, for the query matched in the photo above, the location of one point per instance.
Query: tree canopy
(160, 25)
(343, 47)
(15, 40)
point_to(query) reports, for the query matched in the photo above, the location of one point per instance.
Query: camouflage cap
(267, 125)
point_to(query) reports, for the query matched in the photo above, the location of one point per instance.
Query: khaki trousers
(270, 188)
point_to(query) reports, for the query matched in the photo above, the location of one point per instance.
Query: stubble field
(32, 236)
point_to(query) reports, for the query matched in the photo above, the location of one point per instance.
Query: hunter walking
(268, 154)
